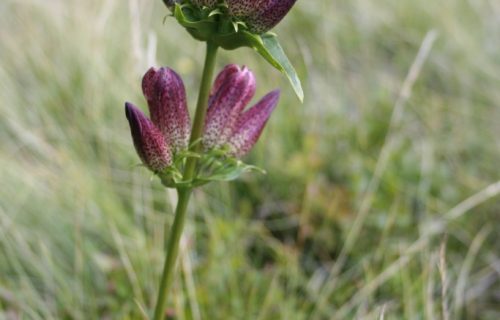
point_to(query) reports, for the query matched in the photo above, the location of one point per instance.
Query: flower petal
(232, 91)
(166, 96)
(223, 77)
(251, 123)
(260, 15)
(270, 13)
(242, 8)
(148, 140)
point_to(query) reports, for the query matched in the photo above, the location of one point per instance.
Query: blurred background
(382, 194)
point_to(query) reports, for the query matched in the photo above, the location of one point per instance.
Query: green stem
(172, 249)
(201, 108)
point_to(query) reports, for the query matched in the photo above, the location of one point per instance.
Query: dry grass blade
(387, 149)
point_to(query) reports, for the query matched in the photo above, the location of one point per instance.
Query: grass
(381, 199)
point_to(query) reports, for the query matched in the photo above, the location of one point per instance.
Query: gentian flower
(226, 123)
(227, 126)
(158, 140)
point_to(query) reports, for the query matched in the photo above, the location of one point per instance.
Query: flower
(227, 126)
(158, 140)
(259, 15)
(226, 123)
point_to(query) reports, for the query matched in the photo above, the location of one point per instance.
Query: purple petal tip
(148, 140)
(251, 124)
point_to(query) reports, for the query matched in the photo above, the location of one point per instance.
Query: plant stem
(172, 249)
(201, 108)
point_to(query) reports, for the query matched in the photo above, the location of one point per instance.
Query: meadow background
(382, 194)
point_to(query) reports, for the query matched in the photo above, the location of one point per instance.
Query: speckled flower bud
(251, 123)
(148, 140)
(260, 15)
(166, 97)
(233, 89)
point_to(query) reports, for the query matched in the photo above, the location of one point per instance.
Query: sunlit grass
(356, 218)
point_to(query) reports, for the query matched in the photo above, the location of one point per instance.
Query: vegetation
(382, 193)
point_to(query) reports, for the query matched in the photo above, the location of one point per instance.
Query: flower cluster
(258, 15)
(228, 126)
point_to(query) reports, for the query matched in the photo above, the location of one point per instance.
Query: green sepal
(217, 166)
(200, 29)
(214, 165)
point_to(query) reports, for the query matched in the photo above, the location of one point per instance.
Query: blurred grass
(81, 228)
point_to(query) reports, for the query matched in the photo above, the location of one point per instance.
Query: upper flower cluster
(258, 15)
(228, 126)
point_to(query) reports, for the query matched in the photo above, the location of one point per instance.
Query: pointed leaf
(274, 49)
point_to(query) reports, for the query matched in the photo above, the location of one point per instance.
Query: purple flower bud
(233, 89)
(260, 15)
(166, 97)
(251, 123)
(148, 140)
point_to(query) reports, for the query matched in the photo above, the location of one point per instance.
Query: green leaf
(199, 29)
(272, 51)
(227, 170)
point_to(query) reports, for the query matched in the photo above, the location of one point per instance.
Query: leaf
(272, 51)
(227, 170)
(200, 30)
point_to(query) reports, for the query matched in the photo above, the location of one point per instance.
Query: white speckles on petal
(251, 123)
(148, 140)
(260, 15)
(233, 89)
(166, 97)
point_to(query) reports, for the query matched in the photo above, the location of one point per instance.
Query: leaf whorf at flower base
(259, 16)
